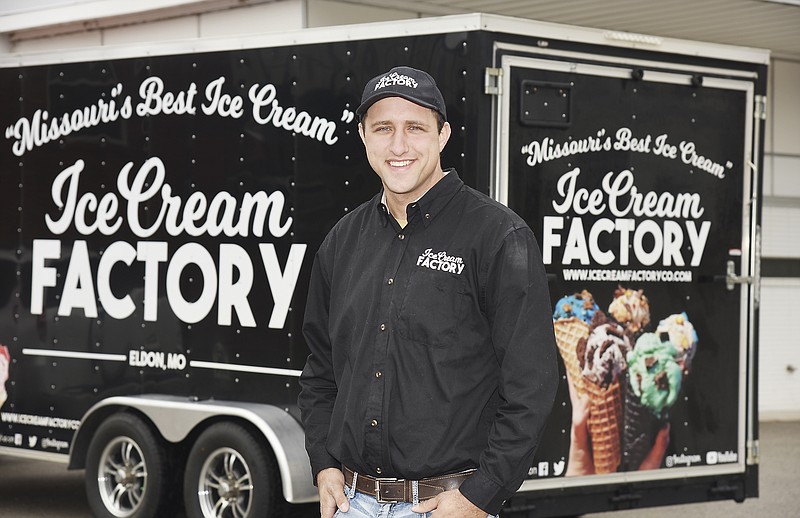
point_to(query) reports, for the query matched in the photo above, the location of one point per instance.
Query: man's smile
(400, 163)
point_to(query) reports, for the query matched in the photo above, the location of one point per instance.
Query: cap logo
(395, 79)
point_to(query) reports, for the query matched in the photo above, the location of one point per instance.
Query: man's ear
(361, 133)
(444, 136)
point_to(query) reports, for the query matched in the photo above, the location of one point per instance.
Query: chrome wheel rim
(122, 476)
(225, 485)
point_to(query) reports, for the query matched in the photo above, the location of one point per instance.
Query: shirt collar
(432, 202)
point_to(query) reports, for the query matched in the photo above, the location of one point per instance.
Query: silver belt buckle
(378, 496)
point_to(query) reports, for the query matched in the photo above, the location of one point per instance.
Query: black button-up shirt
(432, 347)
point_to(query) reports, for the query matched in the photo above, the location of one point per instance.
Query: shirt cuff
(320, 462)
(484, 493)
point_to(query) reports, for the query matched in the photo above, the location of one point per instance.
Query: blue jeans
(365, 506)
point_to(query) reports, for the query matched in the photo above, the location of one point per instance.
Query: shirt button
(378, 374)
(383, 327)
(401, 237)
(378, 471)
(374, 423)
(427, 216)
(390, 281)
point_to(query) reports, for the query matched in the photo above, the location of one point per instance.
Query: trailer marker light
(632, 37)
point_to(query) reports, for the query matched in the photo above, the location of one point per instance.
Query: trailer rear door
(640, 175)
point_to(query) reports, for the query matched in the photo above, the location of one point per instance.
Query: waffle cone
(605, 423)
(641, 428)
(568, 332)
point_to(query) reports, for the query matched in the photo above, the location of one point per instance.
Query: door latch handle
(731, 279)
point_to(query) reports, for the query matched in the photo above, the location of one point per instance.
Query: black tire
(127, 470)
(231, 474)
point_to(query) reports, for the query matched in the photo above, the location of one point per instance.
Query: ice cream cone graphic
(654, 382)
(605, 423)
(569, 332)
(603, 364)
(571, 320)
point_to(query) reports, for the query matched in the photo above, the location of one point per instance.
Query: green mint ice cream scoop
(654, 374)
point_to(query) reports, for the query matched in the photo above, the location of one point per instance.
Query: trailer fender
(175, 418)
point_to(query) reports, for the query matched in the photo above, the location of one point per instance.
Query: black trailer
(162, 204)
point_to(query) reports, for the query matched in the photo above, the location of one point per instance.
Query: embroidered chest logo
(441, 261)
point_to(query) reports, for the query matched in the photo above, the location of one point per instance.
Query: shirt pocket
(434, 308)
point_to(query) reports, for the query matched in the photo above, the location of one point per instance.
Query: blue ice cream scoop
(580, 305)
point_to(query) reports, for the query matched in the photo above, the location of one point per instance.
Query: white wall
(325, 12)
(779, 368)
(785, 125)
(779, 361)
(270, 17)
(181, 28)
(782, 147)
(264, 17)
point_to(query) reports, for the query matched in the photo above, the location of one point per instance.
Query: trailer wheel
(230, 474)
(127, 470)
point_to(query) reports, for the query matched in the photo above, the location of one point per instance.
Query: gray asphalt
(779, 473)
(37, 489)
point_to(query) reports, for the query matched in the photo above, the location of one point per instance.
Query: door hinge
(752, 452)
(760, 110)
(491, 81)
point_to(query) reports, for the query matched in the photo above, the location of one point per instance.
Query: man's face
(403, 145)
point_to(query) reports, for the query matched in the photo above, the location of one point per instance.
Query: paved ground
(35, 489)
(779, 473)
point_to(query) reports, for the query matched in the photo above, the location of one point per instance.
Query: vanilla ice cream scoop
(631, 309)
(678, 330)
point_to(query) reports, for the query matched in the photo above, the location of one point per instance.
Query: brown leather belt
(394, 490)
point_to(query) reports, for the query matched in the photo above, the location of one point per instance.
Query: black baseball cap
(406, 82)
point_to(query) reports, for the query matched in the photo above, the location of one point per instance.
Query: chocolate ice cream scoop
(603, 354)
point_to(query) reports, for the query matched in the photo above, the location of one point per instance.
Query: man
(432, 366)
